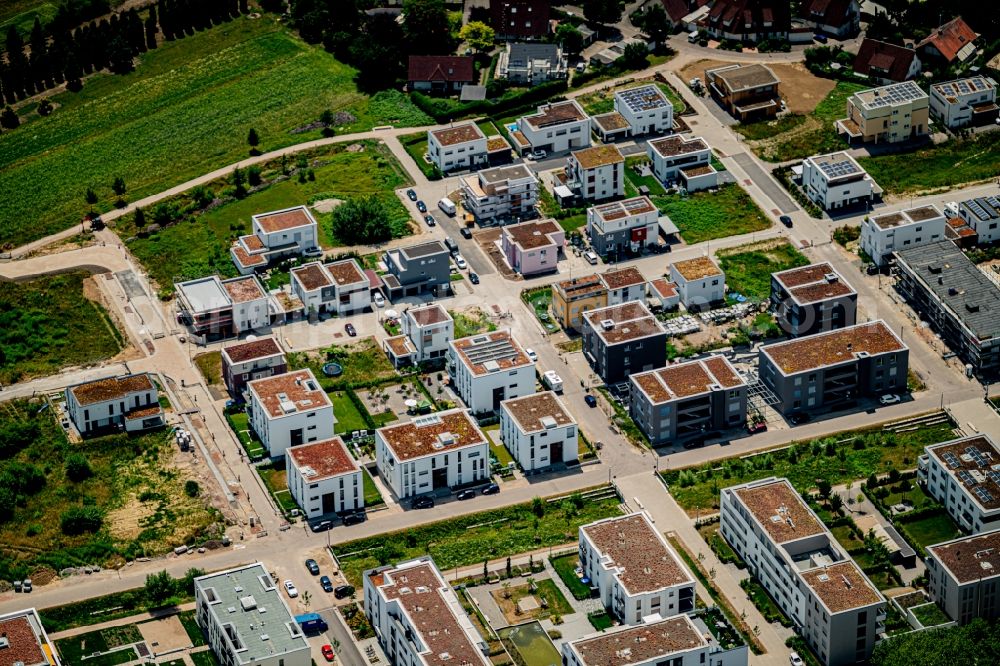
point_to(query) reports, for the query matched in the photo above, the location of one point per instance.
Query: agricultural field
(703, 216)
(936, 168)
(93, 502)
(42, 323)
(748, 269)
(185, 111)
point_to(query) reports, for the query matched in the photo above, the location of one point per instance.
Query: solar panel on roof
(952, 460)
(984, 495)
(641, 99)
(994, 477)
(966, 478)
(839, 169)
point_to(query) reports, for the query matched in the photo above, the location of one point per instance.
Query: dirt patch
(326, 205)
(93, 291)
(126, 523)
(488, 240)
(800, 89)
(75, 242)
(165, 635)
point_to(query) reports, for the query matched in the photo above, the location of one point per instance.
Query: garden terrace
(642, 559)
(673, 146)
(643, 644)
(432, 434)
(842, 586)
(833, 348)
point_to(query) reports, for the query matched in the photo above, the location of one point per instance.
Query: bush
(846, 234)
(191, 488)
(361, 221)
(81, 519)
(78, 467)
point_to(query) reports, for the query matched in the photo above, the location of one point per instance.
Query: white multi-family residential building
(440, 450)
(889, 114)
(804, 569)
(246, 619)
(628, 225)
(458, 147)
(502, 192)
(684, 159)
(983, 215)
(531, 62)
(418, 619)
(881, 235)
(624, 285)
(836, 180)
(130, 402)
(324, 478)
(596, 173)
(221, 308)
(488, 368)
(252, 359)
(965, 102)
(699, 281)
(634, 570)
(275, 235)
(25, 642)
(340, 287)
(960, 474)
(430, 328)
(646, 110)
(555, 128)
(538, 431)
(288, 410)
(963, 574)
(534, 247)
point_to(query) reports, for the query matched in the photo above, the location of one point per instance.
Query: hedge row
(445, 110)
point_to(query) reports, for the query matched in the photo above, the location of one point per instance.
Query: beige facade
(890, 114)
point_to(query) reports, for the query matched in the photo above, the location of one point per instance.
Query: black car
(421, 206)
(429, 219)
(321, 526)
(590, 400)
(411, 195)
(326, 583)
(467, 232)
(354, 519)
(351, 331)
(466, 494)
(312, 566)
(799, 417)
(785, 220)
(491, 489)
(342, 591)
(423, 503)
(474, 278)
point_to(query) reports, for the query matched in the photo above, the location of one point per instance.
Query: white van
(553, 381)
(693, 36)
(447, 205)
(590, 257)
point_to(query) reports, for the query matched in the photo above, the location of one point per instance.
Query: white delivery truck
(447, 205)
(552, 380)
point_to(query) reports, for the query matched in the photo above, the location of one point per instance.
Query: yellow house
(571, 298)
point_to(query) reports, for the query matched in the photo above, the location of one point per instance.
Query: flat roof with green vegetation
(472, 538)
(704, 215)
(42, 323)
(937, 167)
(838, 459)
(748, 269)
(88, 502)
(184, 111)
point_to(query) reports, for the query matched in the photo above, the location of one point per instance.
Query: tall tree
(118, 186)
(17, 63)
(603, 11)
(377, 55)
(478, 35)
(151, 27)
(253, 140)
(656, 24)
(9, 118)
(425, 24)
(39, 56)
(570, 39)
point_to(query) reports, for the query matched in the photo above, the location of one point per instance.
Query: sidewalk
(121, 622)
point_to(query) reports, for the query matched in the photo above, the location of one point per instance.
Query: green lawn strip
(372, 496)
(833, 458)
(748, 271)
(565, 566)
(470, 539)
(764, 603)
(204, 658)
(937, 527)
(240, 423)
(954, 163)
(194, 97)
(930, 615)
(573, 223)
(42, 323)
(21, 14)
(765, 129)
(415, 146)
(600, 620)
(191, 627)
(275, 478)
(348, 417)
(501, 453)
(703, 216)
(210, 365)
(557, 604)
(94, 610)
(650, 181)
(710, 533)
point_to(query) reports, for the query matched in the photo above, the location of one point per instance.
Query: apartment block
(427, 330)
(699, 281)
(836, 368)
(836, 180)
(802, 566)
(555, 128)
(684, 160)
(983, 215)
(626, 226)
(488, 368)
(504, 192)
(417, 269)
(813, 299)
(252, 359)
(246, 619)
(128, 402)
(532, 248)
(881, 235)
(889, 114)
(960, 475)
(963, 576)
(275, 235)
(538, 431)
(459, 147)
(440, 450)
(596, 173)
(624, 285)
(340, 287)
(324, 478)
(951, 293)
(418, 619)
(620, 340)
(571, 298)
(634, 570)
(214, 308)
(970, 102)
(289, 410)
(747, 92)
(27, 643)
(689, 399)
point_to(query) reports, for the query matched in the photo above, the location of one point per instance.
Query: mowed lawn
(748, 270)
(185, 111)
(703, 216)
(48, 324)
(937, 167)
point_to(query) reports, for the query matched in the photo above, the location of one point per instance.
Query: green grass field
(21, 14)
(347, 415)
(929, 530)
(936, 167)
(185, 111)
(42, 323)
(565, 566)
(748, 272)
(363, 362)
(703, 216)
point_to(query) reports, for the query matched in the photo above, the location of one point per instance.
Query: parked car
(532, 356)
(756, 427)
(799, 418)
(591, 257)
(491, 489)
(466, 231)
(379, 300)
(291, 589)
(26, 585)
(351, 331)
(326, 583)
(327, 652)
(424, 502)
(466, 494)
(430, 221)
(820, 37)
(343, 591)
(312, 566)
(590, 400)
(474, 278)
(539, 155)
(353, 519)
(312, 252)
(795, 660)
(786, 220)
(889, 399)
(321, 526)
(17, 586)
(421, 206)
(461, 263)
(411, 195)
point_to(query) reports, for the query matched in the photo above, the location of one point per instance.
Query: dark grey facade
(812, 299)
(961, 304)
(416, 269)
(623, 339)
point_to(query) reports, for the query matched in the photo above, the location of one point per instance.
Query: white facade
(538, 431)
(247, 620)
(129, 401)
(596, 173)
(289, 410)
(961, 481)
(699, 281)
(624, 285)
(962, 576)
(646, 108)
(340, 287)
(489, 368)
(983, 215)
(953, 102)
(459, 147)
(440, 450)
(671, 154)
(555, 128)
(323, 478)
(430, 329)
(289, 226)
(836, 180)
(634, 569)
(505, 191)
(881, 235)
